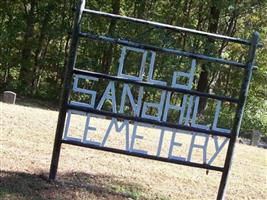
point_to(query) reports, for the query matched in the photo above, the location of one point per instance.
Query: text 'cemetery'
(188, 111)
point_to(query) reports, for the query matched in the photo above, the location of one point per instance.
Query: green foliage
(34, 46)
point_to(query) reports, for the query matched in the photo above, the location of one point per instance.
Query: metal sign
(186, 121)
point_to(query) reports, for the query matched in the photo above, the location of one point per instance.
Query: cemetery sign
(186, 122)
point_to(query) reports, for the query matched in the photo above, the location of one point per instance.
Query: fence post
(66, 90)
(239, 115)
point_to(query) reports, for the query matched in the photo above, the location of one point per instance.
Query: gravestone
(255, 138)
(9, 97)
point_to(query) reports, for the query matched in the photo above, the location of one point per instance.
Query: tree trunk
(26, 64)
(204, 75)
(40, 49)
(108, 53)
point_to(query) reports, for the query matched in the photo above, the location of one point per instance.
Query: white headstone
(255, 139)
(10, 97)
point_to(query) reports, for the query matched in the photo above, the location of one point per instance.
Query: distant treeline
(35, 38)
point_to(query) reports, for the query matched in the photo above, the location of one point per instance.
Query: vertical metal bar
(66, 90)
(239, 115)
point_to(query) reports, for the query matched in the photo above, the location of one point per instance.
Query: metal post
(239, 114)
(66, 90)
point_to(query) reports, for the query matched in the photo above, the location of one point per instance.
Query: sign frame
(71, 70)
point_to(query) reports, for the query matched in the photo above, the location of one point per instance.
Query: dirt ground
(26, 143)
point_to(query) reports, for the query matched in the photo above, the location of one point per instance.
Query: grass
(19, 185)
(26, 142)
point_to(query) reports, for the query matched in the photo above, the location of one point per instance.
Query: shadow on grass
(19, 185)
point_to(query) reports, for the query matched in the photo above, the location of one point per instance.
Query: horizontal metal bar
(151, 157)
(148, 84)
(169, 27)
(146, 121)
(164, 50)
